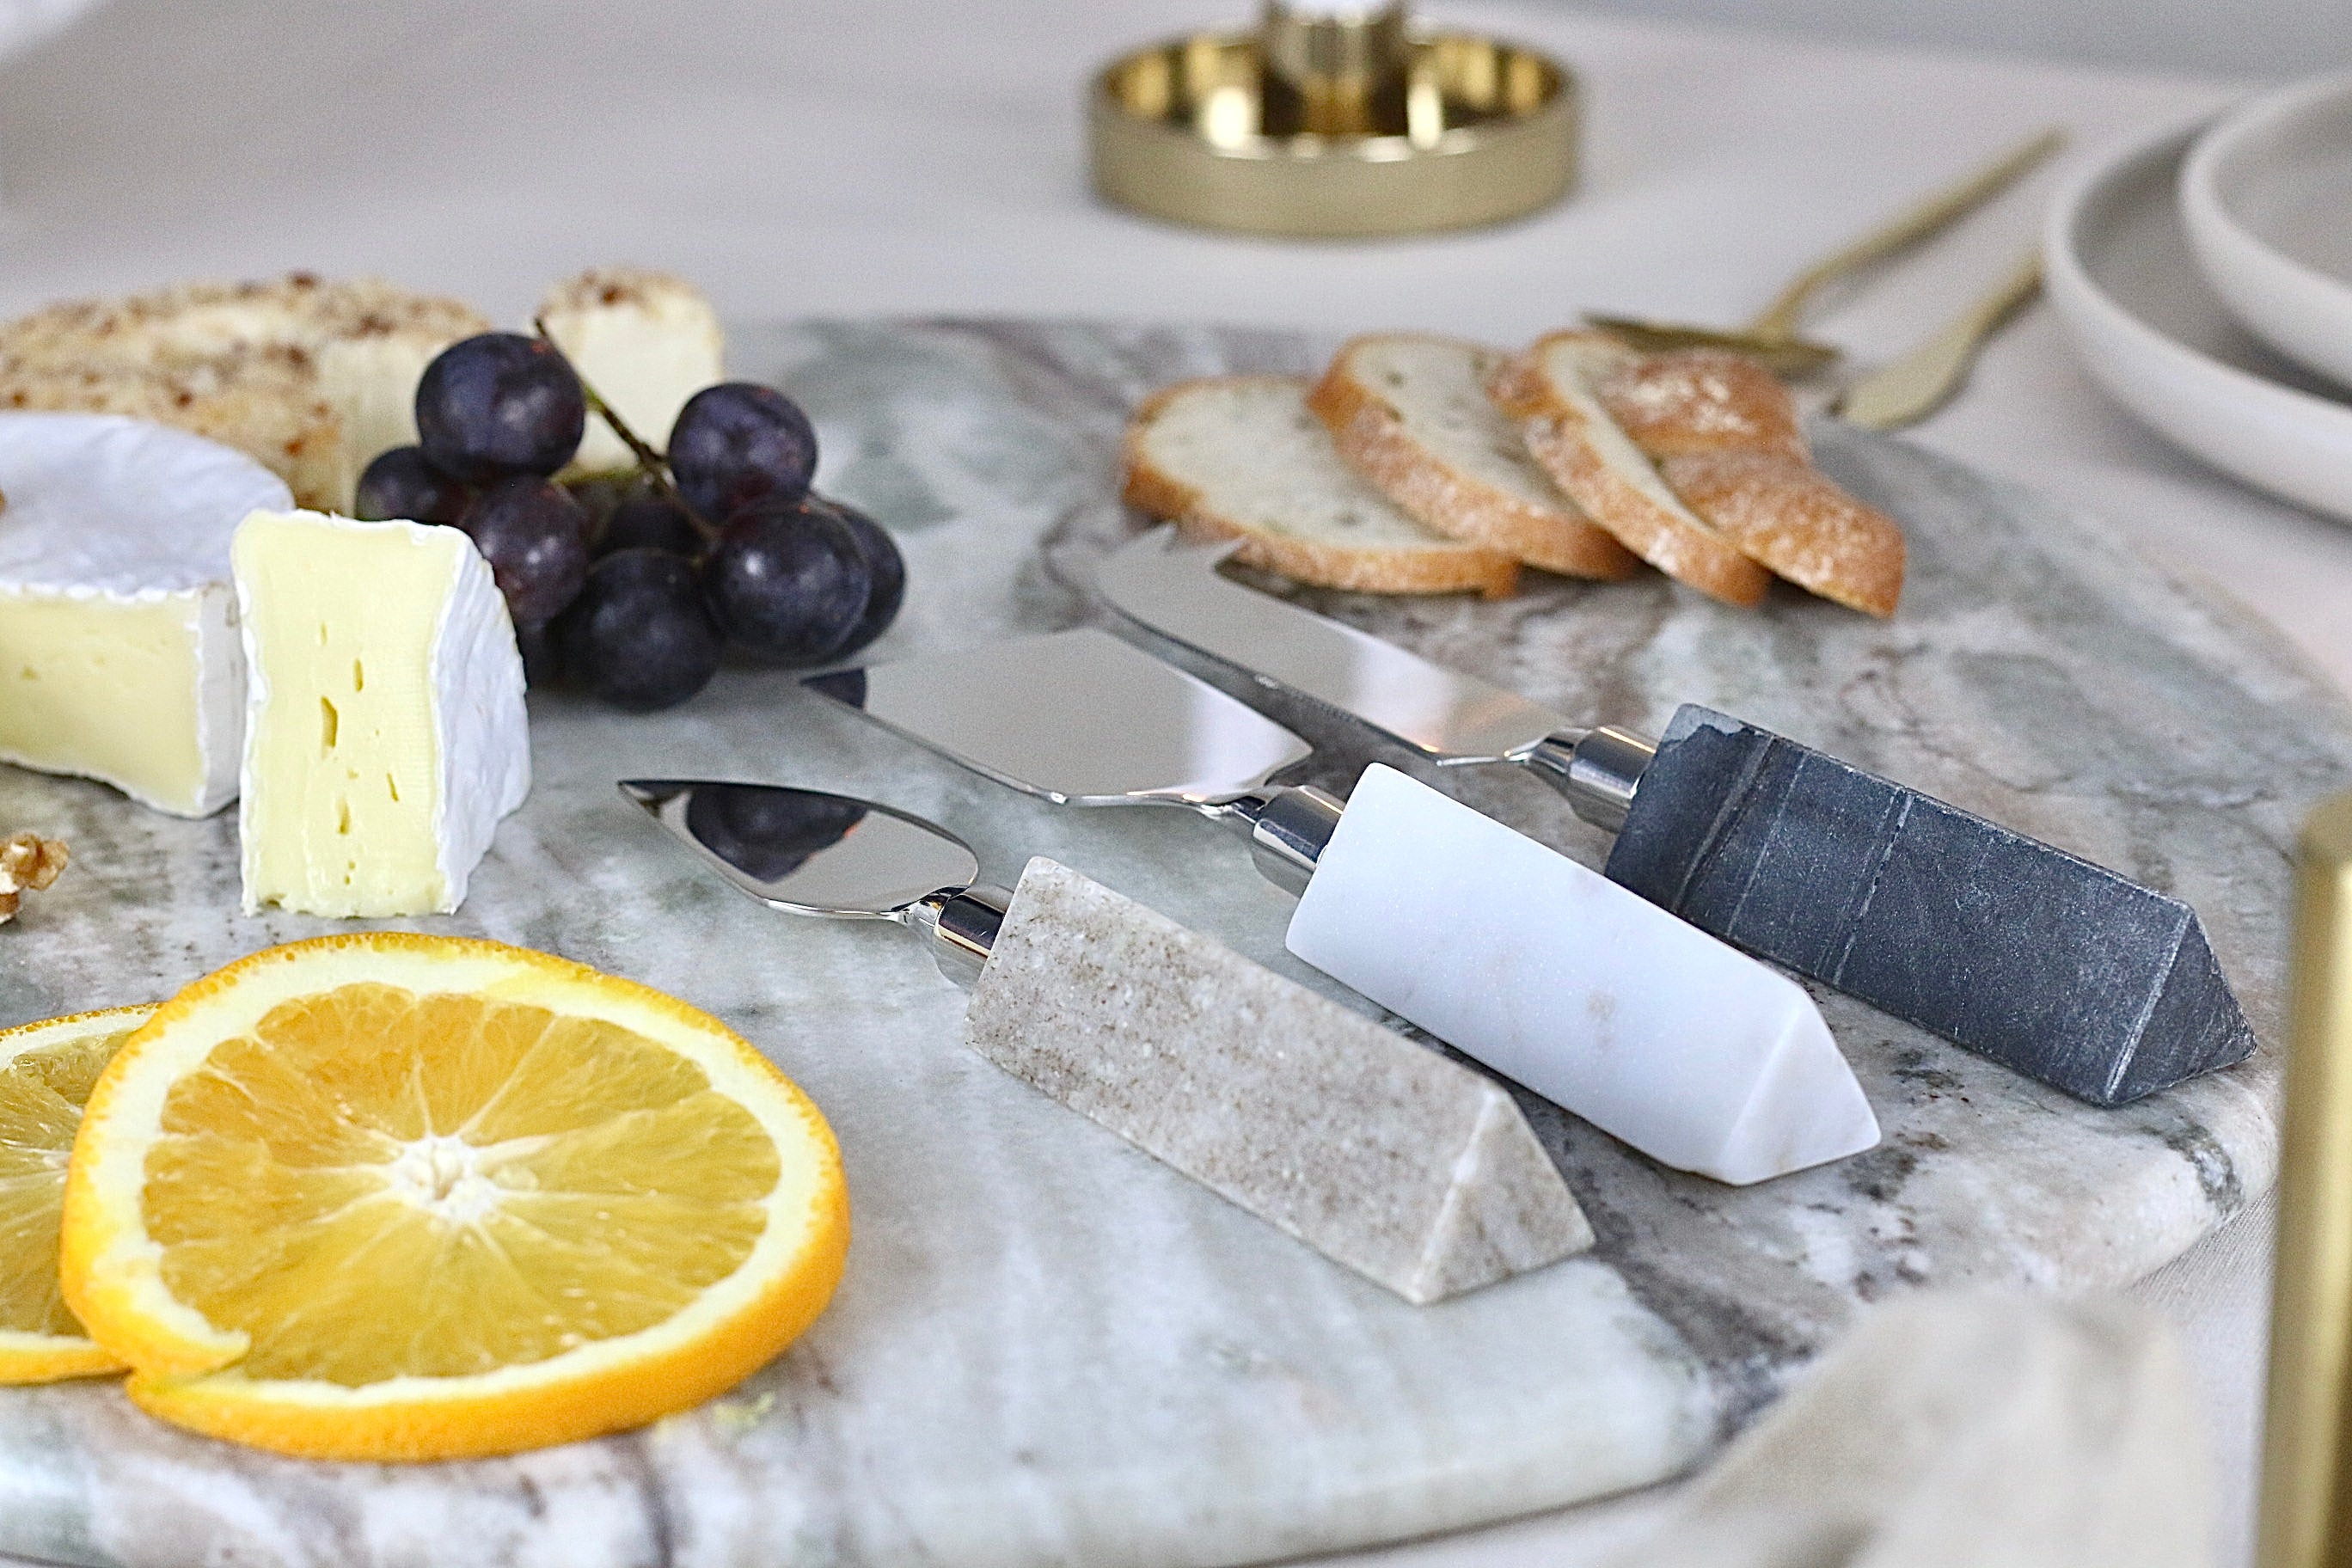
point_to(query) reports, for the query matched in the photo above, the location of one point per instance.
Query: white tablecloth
(871, 156)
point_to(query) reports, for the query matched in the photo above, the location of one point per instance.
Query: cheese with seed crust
(645, 340)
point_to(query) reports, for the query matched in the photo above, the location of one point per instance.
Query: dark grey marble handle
(2048, 964)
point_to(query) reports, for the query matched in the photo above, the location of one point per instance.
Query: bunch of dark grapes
(633, 591)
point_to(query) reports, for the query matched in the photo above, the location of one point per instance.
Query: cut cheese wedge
(645, 340)
(118, 656)
(385, 735)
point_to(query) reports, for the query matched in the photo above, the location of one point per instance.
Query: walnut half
(27, 861)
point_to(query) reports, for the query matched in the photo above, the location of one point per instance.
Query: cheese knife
(1508, 949)
(2058, 968)
(1364, 1144)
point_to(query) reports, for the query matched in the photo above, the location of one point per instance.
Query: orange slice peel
(47, 1070)
(393, 1196)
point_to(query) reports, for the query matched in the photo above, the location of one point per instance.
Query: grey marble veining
(1047, 1346)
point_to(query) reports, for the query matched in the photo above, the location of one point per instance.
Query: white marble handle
(1598, 1000)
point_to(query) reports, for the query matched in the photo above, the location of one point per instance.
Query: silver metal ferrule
(1598, 770)
(962, 925)
(1288, 830)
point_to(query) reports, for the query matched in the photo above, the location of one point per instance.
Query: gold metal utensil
(1773, 336)
(2306, 1518)
(1334, 126)
(1915, 385)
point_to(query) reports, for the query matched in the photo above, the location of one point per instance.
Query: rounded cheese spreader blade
(1693, 1053)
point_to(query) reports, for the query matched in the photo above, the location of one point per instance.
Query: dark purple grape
(404, 483)
(535, 538)
(890, 574)
(651, 522)
(639, 635)
(739, 443)
(788, 585)
(499, 403)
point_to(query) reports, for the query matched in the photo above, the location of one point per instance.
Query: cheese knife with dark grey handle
(2048, 964)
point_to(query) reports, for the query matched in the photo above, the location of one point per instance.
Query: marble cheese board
(1048, 1348)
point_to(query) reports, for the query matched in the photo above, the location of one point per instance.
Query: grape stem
(650, 463)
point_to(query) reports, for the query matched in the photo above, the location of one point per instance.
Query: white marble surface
(898, 156)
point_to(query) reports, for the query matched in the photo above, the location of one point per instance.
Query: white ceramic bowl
(2124, 285)
(2266, 197)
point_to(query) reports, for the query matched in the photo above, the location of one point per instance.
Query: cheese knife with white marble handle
(2053, 966)
(1515, 955)
(1377, 1151)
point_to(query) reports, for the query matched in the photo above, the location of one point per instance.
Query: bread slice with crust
(1410, 413)
(1241, 457)
(1702, 400)
(1552, 390)
(1788, 515)
(1722, 431)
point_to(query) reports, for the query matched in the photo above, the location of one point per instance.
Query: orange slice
(393, 1196)
(45, 1074)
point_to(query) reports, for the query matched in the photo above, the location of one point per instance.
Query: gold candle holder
(1334, 126)
(2307, 1510)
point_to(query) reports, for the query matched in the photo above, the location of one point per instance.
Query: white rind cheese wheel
(385, 734)
(118, 654)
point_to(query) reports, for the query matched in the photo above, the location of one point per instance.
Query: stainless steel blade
(1078, 717)
(1174, 588)
(808, 852)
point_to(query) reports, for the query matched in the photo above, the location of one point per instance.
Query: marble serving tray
(1048, 1348)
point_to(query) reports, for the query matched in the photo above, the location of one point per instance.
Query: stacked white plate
(2205, 276)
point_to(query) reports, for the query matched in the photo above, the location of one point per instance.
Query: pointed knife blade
(1174, 588)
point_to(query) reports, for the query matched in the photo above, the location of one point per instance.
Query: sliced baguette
(1410, 413)
(1241, 457)
(1551, 391)
(1722, 431)
(1788, 515)
(1702, 400)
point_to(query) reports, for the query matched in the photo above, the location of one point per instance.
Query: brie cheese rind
(119, 654)
(385, 733)
(645, 340)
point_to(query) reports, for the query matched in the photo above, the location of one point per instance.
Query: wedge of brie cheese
(118, 656)
(385, 735)
(645, 340)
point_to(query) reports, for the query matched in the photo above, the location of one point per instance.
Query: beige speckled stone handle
(1377, 1152)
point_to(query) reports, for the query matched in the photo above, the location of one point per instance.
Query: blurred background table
(897, 157)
